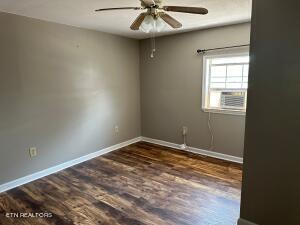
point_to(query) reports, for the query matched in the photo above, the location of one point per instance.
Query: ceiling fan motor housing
(151, 3)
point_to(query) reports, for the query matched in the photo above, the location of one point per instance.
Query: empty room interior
(149, 112)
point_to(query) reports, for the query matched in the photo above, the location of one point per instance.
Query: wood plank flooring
(139, 184)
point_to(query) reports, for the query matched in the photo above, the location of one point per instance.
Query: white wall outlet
(184, 130)
(33, 152)
(117, 129)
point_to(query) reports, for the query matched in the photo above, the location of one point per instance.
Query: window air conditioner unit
(233, 100)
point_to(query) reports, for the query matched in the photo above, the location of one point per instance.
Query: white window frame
(205, 83)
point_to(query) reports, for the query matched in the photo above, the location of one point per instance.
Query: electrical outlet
(116, 129)
(184, 130)
(33, 152)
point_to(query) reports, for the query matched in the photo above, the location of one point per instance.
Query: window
(225, 83)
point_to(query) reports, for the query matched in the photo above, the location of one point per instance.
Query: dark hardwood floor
(139, 184)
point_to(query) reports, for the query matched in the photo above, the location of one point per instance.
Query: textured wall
(171, 85)
(63, 90)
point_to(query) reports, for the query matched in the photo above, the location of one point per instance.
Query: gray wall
(62, 90)
(171, 85)
(271, 185)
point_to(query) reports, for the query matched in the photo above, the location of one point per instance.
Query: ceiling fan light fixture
(160, 25)
(153, 25)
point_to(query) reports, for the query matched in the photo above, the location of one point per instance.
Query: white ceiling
(80, 13)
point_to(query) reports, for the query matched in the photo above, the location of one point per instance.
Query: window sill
(225, 111)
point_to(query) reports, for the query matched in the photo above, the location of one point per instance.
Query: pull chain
(153, 47)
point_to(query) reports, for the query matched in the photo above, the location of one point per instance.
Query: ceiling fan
(155, 17)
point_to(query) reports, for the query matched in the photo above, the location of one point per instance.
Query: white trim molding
(244, 51)
(245, 222)
(27, 179)
(24, 180)
(195, 150)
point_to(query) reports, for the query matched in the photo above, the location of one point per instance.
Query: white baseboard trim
(24, 180)
(195, 150)
(27, 179)
(245, 222)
